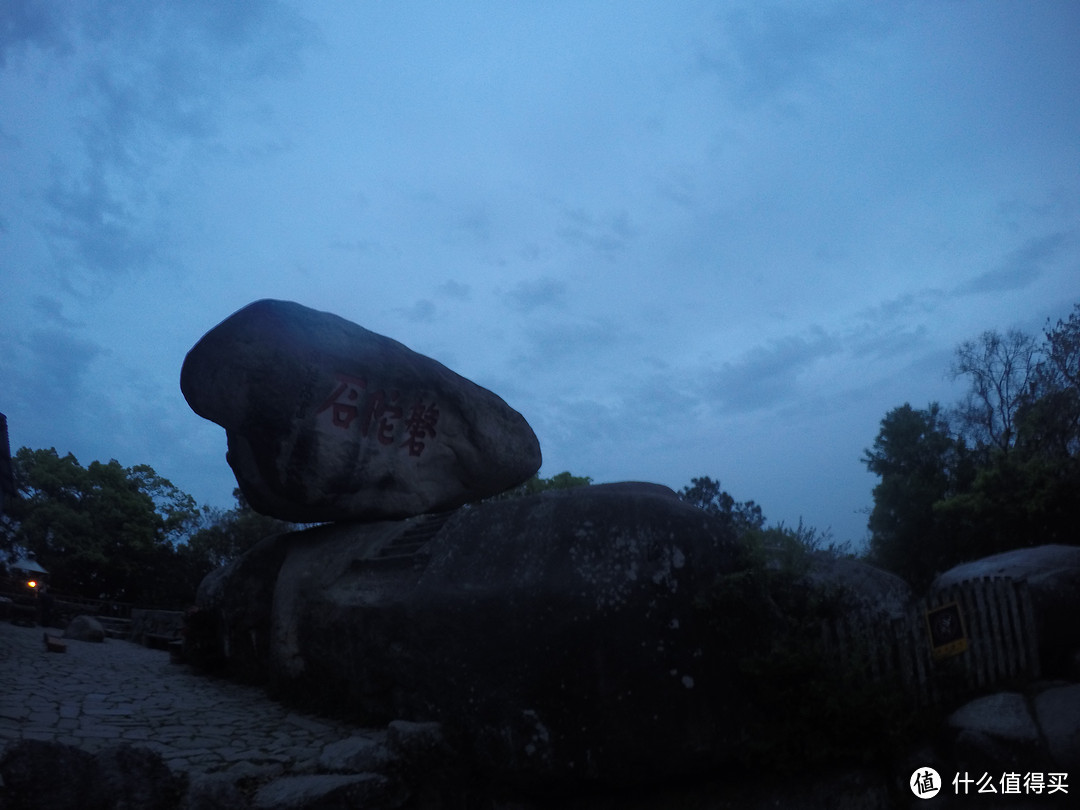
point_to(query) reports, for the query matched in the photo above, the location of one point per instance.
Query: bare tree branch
(1001, 369)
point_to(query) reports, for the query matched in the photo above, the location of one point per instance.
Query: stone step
(398, 548)
(392, 561)
(415, 537)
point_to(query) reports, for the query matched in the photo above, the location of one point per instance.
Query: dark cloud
(573, 345)
(174, 66)
(151, 79)
(608, 235)
(892, 341)
(36, 22)
(528, 296)
(764, 52)
(660, 401)
(61, 357)
(577, 429)
(94, 229)
(421, 311)
(50, 309)
(904, 307)
(680, 187)
(45, 384)
(471, 226)
(768, 375)
(455, 289)
(894, 327)
(1022, 267)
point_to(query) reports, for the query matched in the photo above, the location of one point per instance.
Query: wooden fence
(995, 644)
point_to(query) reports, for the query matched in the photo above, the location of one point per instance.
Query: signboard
(945, 624)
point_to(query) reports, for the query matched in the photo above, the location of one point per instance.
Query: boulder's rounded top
(872, 588)
(327, 420)
(1021, 563)
(619, 488)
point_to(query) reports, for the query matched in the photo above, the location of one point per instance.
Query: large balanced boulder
(557, 637)
(329, 421)
(1052, 573)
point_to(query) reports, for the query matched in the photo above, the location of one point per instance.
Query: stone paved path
(95, 695)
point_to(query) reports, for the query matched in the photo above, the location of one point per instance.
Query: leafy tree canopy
(1000, 471)
(536, 485)
(705, 493)
(776, 546)
(225, 535)
(104, 531)
(919, 462)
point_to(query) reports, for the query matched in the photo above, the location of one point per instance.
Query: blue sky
(680, 238)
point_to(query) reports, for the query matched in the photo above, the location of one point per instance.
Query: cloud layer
(689, 240)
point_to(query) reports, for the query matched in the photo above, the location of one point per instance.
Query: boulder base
(329, 421)
(557, 638)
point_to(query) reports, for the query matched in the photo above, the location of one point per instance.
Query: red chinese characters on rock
(348, 391)
(380, 413)
(385, 413)
(420, 425)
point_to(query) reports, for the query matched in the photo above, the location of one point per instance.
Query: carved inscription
(380, 414)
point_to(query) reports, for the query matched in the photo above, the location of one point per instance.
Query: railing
(996, 643)
(94, 607)
(66, 604)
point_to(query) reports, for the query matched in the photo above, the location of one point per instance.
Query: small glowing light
(32, 583)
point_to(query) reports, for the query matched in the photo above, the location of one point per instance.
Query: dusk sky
(682, 239)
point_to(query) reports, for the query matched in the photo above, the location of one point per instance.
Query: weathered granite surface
(329, 421)
(556, 637)
(569, 636)
(867, 588)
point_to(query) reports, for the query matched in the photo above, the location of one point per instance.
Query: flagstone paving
(100, 694)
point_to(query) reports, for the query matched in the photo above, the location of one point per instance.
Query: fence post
(1027, 613)
(919, 645)
(998, 622)
(1014, 638)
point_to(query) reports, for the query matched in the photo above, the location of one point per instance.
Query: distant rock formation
(1052, 573)
(868, 590)
(328, 421)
